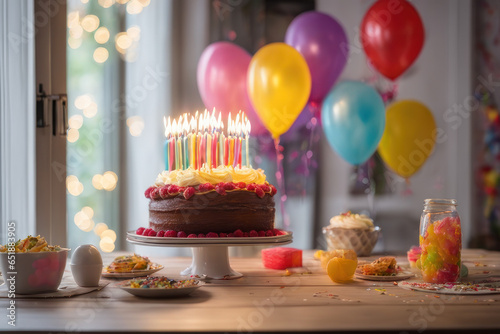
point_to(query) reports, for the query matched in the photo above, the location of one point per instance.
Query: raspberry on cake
(209, 201)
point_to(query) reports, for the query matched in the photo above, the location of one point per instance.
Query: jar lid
(440, 201)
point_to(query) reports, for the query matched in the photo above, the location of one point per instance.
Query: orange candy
(342, 265)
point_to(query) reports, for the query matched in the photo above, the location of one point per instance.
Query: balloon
(353, 118)
(279, 84)
(409, 137)
(392, 35)
(222, 81)
(323, 43)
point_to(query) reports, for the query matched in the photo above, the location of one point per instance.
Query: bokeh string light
(88, 32)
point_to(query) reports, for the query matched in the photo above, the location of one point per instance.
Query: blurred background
(127, 64)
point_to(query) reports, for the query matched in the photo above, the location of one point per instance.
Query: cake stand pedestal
(211, 262)
(210, 255)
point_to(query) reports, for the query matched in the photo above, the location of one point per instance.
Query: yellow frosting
(192, 177)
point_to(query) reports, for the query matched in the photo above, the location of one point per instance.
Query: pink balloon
(222, 82)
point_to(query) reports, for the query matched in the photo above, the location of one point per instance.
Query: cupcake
(352, 231)
(413, 256)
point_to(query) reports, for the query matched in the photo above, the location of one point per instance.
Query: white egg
(86, 265)
(86, 254)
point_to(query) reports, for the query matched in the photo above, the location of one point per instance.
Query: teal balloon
(353, 120)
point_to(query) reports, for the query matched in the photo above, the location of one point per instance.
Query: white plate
(132, 236)
(458, 289)
(398, 277)
(133, 273)
(210, 244)
(160, 293)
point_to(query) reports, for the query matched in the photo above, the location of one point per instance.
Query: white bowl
(34, 272)
(361, 241)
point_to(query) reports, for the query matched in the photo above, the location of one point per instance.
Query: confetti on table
(454, 288)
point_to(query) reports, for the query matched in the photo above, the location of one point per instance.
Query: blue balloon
(353, 119)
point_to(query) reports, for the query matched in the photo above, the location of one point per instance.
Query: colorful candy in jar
(440, 246)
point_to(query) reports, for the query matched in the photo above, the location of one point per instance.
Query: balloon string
(312, 126)
(280, 177)
(407, 191)
(389, 94)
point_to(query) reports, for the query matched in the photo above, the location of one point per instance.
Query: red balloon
(392, 34)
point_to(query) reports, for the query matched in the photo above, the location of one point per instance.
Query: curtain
(17, 116)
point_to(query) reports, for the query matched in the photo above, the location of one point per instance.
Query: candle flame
(193, 124)
(207, 128)
(248, 127)
(174, 127)
(237, 125)
(168, 126)
(185, 125)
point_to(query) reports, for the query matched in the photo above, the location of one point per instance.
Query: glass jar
(440, 241)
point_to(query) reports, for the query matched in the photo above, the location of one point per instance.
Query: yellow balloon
(279, 84)
(409, 137)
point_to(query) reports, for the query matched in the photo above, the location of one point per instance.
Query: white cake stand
(210, 255)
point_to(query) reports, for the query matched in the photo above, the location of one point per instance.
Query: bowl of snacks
(32, 266)
(352, 231)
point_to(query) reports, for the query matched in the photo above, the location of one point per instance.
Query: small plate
(402, 275)
(134, 273)
(453, 289)
(159, 292)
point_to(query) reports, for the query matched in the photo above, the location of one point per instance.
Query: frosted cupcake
(414, 255)
(352, 231)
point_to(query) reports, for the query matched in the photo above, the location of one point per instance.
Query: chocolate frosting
(212, 212)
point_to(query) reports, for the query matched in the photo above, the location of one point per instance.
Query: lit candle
(208, 142)
(168, 130)
(179, 144)
(247, 134)
(171, 161)
(199, 143)
(231, 145)
(237, 155)
(222, 143)
(240, 149)
(215, 142)
(192, 142)
(185, 129)
(174, 139)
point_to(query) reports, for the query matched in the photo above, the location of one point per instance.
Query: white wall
(440, 78)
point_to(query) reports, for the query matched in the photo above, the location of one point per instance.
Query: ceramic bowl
(33, 272)
(361, 241)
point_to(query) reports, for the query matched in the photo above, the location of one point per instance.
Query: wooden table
(268, 300)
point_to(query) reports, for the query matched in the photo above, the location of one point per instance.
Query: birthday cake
(211, 201)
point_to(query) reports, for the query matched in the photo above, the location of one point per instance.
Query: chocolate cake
(218, 207)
